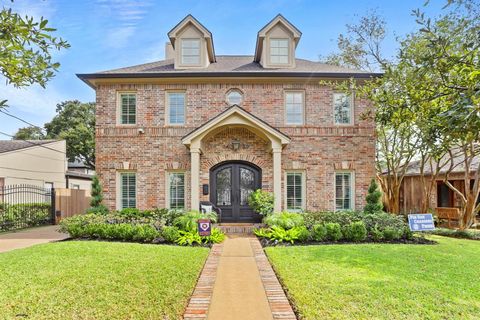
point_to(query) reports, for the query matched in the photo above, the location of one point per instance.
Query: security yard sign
(204, 227)
(421, 222)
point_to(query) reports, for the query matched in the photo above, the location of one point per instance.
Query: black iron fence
(23, 206)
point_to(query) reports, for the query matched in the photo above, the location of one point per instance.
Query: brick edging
(201, 298)
(279, 304)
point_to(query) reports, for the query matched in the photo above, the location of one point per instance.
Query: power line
(20, 119)
(26, 170)
(33, 143)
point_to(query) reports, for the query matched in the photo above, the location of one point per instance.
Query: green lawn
(382, 281)
(98, 280)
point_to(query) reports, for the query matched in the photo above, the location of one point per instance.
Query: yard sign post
(421, 222)
(204, 227)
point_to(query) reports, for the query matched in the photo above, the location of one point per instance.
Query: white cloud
(34, 8)
(123, 17)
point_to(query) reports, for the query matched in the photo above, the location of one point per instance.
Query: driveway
(29, 237)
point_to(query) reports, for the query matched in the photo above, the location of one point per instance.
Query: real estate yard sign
(204, 227)
(421, 222)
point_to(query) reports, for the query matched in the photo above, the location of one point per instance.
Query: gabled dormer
(192, 44)
(276, 44)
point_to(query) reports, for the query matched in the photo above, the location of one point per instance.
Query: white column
(277, 179)
(195, 179)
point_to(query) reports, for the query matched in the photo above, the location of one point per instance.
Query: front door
(231, 184)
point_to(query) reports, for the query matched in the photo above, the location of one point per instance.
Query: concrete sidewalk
(238, 292)
(29, 237)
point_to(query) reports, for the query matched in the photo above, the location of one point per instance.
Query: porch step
(238, 228)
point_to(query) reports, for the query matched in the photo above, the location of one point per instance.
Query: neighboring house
(40, 163)
(205, 127)
(442, 196)
(79, 176)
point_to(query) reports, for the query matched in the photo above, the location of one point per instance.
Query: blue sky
(107, 34)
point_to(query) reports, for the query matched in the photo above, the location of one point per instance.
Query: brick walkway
(238, 282)
(30, 237)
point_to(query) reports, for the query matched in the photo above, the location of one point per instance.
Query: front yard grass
(382, 281)
(98, 280)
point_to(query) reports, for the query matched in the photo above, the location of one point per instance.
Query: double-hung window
(191, 51)
(343, 191)
(342, 104)
(279, 51)
(295, 184)
(294, 106)
(128, 108)
(128, 190)
(176, 108)
(176, 190)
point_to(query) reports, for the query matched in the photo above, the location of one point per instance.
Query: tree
(29, 133)
(96, 193)
(25, 50)
(374, 198)
(75, 122)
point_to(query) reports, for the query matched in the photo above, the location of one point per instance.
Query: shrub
(341, 217)
(188, 238)
(188, 221)
(216, 236)
(261, 202)
(286, 220)
(303, 234)
(465, 234)
(319, 232)
(377, 234)
(390, 233)
(170, 233)
(27, 214)
(356, 231)
(334, 232)
(374, 199)
(100, 209)
(96, 193)
(279, 234)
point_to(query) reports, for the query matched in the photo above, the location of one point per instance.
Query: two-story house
(199, 126)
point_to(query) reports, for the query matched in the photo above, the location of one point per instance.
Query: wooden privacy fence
(70, 202)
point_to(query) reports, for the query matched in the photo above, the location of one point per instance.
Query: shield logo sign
(204, 227)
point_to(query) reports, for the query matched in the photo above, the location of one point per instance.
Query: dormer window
(190, 51)
(279, 51)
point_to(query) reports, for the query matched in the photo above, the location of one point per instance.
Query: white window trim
(285, 107)
(167, 108)
(167, 187)
(352, 190)
(289, 59)
(199, 53)
(118, 184)
(234, 90)
(351, 96)
(119, 108)
(304, 189)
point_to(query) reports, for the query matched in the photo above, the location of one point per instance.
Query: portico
(236, 117)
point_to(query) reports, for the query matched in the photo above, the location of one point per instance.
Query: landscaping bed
(149, 226)
(98, 280)
(381, 281)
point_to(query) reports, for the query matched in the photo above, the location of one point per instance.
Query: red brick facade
(319, 147)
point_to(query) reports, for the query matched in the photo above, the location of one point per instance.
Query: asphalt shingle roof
(12, 145)
(233, 64)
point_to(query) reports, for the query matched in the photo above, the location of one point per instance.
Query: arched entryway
(231, 183)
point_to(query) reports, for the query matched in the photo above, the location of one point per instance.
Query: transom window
(128, 189)
(279, 51)
(191, 51)
(176, 107)
(234, 97)
(295, 191)
(343, 108)
(176, 185)
(343, 191)
(294, 107)
(128, 108)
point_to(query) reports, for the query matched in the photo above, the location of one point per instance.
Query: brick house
(204, 127)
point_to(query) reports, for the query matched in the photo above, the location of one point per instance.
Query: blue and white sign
(421, 222)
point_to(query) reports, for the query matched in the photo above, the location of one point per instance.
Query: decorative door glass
(224, 187)
(247, 185)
